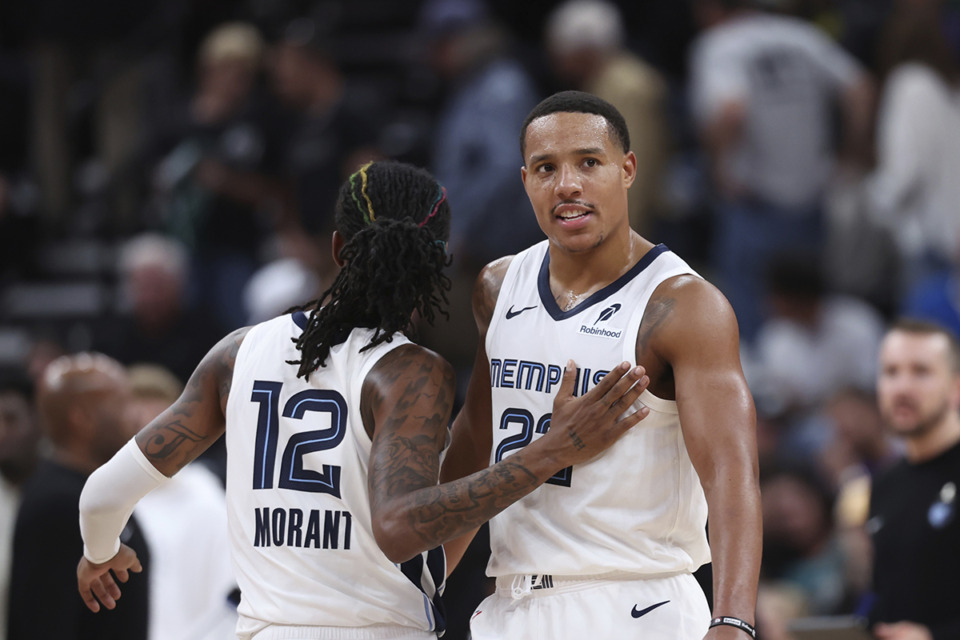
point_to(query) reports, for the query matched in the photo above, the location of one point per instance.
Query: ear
(628, 169)
(523, 174)
(338, 242)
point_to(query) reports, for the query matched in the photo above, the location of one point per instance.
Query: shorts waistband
(518, 586)
(377, 632)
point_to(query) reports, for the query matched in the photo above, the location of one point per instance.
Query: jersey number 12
(293, 475)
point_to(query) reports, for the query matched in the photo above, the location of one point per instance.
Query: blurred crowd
(168, 172)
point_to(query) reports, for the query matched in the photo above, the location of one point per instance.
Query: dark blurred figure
(913, 507)
(800, 545)
(809, 328)
(217, 186)
(475, 150)
(586, 43)
(87, 76)
(763, 92)
(19, 448)
(83, 402)
(333, 132)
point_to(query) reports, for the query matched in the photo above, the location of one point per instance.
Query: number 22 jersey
(636, 508)
(297, 500)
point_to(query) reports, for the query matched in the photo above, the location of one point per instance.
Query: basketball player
(606, 548)
(334, 511)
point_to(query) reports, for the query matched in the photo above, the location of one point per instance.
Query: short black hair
(579, 102)
(395, 220)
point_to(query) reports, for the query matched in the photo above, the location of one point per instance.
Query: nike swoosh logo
(513, 314)
(643, 612)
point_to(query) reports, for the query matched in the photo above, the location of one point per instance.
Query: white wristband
(108, 499)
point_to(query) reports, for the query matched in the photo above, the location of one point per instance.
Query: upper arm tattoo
(659, 308)
(196, 419)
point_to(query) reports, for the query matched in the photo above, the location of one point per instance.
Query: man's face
(577, 176)
(916, 386)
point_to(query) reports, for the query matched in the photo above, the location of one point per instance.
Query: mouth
(569, 211)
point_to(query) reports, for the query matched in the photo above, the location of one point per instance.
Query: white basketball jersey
(638, 507)
(297, 499)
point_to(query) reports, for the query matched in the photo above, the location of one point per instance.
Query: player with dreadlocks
(335, 423)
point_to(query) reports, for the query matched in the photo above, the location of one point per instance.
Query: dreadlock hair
(395, 220)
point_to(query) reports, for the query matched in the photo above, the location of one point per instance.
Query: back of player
(298, 504)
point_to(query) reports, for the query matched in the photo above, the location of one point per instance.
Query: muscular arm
(176, 437)
(699, 341)
(408, 396)
(191, 424)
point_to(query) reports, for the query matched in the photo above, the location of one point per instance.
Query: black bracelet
(734, 622)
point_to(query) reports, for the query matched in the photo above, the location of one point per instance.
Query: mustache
(579, 203)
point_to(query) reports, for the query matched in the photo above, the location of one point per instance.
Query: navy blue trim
(300, 318)
(546, 296)
(435, 564)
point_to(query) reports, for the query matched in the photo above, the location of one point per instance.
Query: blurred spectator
(217, 185)
(161, 328)
(83, 402)
(813, 344)
(913, 508)
(915, 188)
(19, 440)
(860, 447)
(333, 131)
(763, 88)
(800, 546)
(185, 525)
(475, 150)
(585, 40)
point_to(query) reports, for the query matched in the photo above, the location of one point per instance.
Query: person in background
(913, 505)
(83, 400)
(19, 451)
(586, 45)
(762, 91)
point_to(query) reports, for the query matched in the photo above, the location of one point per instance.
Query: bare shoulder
(402, 378)
(486, 290)
(685, 313)
(221, 359)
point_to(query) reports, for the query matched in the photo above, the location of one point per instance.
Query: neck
(583, 272)
(933, 442)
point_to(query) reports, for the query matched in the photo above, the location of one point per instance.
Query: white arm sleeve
(108, 499)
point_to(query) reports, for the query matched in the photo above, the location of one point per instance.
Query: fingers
(627, 389)
(89, 600)
(106, 591)
(607, 382)
(568, 380)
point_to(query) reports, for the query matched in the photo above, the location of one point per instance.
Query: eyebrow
(587, 151)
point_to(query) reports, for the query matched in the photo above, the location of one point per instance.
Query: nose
(568, 184)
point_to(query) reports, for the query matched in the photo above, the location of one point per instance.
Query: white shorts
(379, 632)
(555, 608)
